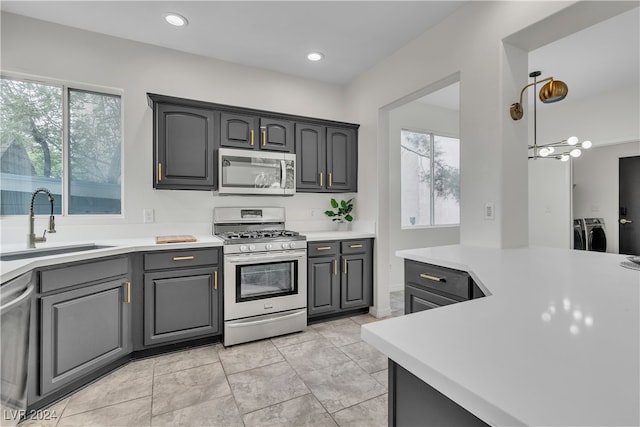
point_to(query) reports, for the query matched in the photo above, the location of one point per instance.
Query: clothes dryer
(596, 236)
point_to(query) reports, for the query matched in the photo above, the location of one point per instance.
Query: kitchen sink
(34, 253)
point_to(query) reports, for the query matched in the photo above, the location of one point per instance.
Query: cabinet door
(276, 135)
(342, 160)
(180, 304)
(184, 148)
(418, 299)
(83, 330)
(323, 285)
(310, 158)
(356, 287)
(239, 131)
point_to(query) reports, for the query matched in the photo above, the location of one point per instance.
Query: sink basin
(34, 253)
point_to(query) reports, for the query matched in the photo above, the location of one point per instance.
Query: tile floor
(325, 376)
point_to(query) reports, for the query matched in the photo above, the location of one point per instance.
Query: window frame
(431, 134)
(66, 86)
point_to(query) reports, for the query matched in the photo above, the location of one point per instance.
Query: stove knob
(252, 247)
(285, 246)
(268, 246)
(293, 245)
(243, 248)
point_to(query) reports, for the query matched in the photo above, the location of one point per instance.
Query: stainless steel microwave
(256, 172)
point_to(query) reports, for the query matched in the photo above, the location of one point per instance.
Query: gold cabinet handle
(251, 132)
(159, 171)
(323, 248)
(335, 267)
(264, 138)
(330, 179)
(215, 280)
(320, 179)
(355, 246)
(345, 266)
(128, 293)
(183, 258)
(434, 278)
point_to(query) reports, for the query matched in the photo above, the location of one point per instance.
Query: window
(65, 139)
(430, 179)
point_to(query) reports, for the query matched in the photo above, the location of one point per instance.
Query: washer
(596, 237)
(579, 235)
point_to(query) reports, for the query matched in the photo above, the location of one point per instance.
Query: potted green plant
(342, 216)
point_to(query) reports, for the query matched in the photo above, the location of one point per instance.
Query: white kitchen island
(555, 342)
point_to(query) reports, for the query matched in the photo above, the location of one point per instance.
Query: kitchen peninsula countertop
(555, 342)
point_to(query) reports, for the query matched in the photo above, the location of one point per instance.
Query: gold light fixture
(552, 91)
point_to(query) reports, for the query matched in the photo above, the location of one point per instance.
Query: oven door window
(269, 280)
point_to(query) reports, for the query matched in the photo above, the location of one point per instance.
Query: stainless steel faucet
(31, 237)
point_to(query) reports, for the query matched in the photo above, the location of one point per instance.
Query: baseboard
(380, 313)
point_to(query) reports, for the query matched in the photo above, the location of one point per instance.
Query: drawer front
(440, 279)
(78, 273)
(183, 258)
(322, 248)
(355, 246)
(417, 299)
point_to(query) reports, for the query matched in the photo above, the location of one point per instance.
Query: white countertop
(12, 269)
(314, 236)
(556, 343)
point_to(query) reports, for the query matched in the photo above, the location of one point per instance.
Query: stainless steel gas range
(265, 274)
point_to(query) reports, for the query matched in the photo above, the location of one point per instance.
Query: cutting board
(178, 238)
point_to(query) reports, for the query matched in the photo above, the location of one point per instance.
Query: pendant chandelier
(552, 91)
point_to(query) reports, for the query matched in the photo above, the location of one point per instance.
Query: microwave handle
(283, 173)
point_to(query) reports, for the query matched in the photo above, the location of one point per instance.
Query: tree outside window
(430, 179)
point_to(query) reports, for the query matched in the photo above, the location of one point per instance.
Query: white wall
(596, 180)
(413, 116)
(58, 52)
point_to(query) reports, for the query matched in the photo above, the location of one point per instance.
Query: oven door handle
(289, 256)
(270, 320)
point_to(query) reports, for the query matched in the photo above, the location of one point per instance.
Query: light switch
(148, 216)
(489, 211)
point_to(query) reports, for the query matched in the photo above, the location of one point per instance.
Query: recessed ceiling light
(175, 19)
(315, 56)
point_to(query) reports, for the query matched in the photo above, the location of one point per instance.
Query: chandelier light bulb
(544, 152)
(564, 158)
(575, 152)
(586, 145)
(572, 140)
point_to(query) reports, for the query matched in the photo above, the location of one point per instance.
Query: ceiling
(353, 35)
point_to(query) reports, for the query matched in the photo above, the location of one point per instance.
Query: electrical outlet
(148, 216)
(489, 211)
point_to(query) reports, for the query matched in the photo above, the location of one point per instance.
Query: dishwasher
(15, 313)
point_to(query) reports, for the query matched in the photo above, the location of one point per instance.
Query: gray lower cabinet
(182, 296)
(327, 159)
(412, 402)
(86, 327)
(340, 276)
(180, 304)
(430, 286)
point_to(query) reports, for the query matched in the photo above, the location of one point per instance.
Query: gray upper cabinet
(327, 159)
(310, 157)
(342, 160)
(256, 133)
(184, 147)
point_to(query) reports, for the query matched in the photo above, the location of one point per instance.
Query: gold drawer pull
(128, 292)
(330, 179)
(320, 179)
(159, 172)
(215, 280)
(264, 138)
(434, 278)
(183, 258)
(355, 246)
(323, 248)
(251, 137)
